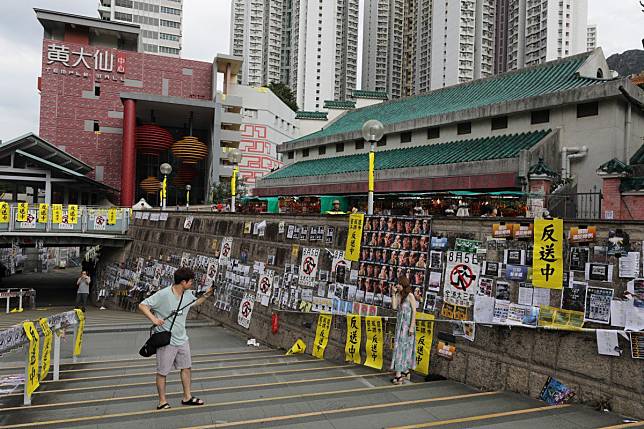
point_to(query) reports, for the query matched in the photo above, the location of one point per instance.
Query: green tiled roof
(311, 115)
(542, 79)
(631, 184)
(481, 149)
(614, 166)
(337, 104)
(542, 169)
(379, 95)
(638, 157)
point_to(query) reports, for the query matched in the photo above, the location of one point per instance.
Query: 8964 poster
(392, 247)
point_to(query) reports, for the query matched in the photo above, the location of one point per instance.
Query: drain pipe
(568, 153)
(627, 132)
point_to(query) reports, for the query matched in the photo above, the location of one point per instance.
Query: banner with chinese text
(4, 212)
(321, 335)
(32, 382)
(352, 251)
(424, 338)
(72, 214)
(111, 215)
(23, 212)
(373, 346)
(354, 337)
(43, 213)
(547, 271)
(78, 343)
(56, 213)
(46, 348)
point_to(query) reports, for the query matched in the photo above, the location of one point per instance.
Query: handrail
(14, 337)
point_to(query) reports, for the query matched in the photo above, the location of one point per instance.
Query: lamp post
(372, 132)
(235, 158)
(166, 169)
(188, 187)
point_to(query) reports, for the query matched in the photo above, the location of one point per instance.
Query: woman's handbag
(159, 339)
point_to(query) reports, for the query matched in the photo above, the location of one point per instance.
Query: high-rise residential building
(382, 48)
(160, 22)
(543, 30)
(591, 37)
(310, 45)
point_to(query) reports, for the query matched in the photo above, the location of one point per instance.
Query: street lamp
(372, 131)
(188, 187)
(235, 157)
(166, 169)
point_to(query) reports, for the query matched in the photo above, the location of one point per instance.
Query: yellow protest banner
(78, 344)
(424, 338)
(321, 335)
(32, 382)
(354, 336)
(547, 256)
(56, 213)
(4, 212)
(46, 348)
(23, 212)
(374, 342)
(43, 213)
(111, 216)
(558, 318)
(72, 214)
(372, 159)
(233, 182)
(297, 348)
(354, 238)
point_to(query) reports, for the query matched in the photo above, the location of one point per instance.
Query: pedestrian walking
(83, 290)
(404, 357)
(167, 310)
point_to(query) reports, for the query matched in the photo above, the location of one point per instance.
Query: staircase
(112, 387)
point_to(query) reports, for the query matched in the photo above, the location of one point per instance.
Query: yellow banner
(32, 382)
(164, 188)
(46, 348)
(371, 170)
(297, 348)
(373, 347)
(557, 318)
(424, 338)
(56, 213)
(354, 336)
(354, 238)
(321, 335)
(43, 213)
(547, 255)
(78, 344)
(72, 214)
(4, 212)
(233, 182)
(111, 216)
(23, 212)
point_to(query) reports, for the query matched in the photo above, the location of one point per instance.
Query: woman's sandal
(397, 380)
(406, 374)
(193, 401)
(165, 406)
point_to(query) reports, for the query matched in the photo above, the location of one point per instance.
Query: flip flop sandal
(193, 401)
(165, 406)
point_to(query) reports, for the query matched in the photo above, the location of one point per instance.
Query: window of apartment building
(359, 144)
(166, 36)
(540, 117)
(124, 3)
(290, 155)
(464, 128)
(167, 50)
(433, 133)
(97, 127)
(123, 16)
(170, 10)
(305, 152)
(587, 109)
(97, 90)
(321, 150)
(499, 123)
(339, 147)
(171, 24)
(405, 137)
(150, 48)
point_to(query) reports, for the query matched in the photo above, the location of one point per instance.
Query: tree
(221, 191)
(284, 93)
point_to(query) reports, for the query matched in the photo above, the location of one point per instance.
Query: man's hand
(158, 322)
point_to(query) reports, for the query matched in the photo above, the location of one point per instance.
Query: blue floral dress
(404, 356)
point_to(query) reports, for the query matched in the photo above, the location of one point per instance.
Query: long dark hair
(406, 287)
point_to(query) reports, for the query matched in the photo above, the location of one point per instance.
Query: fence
(61, 219)
(580, 205)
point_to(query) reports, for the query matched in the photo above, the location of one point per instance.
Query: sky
(205, 33)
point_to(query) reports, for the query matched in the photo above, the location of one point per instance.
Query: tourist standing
(83, 290)
(404, 356)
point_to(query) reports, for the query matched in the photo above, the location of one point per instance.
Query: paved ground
(259, 387)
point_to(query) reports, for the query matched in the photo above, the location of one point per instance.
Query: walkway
(259, 387)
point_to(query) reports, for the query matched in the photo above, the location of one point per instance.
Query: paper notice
(607, 343)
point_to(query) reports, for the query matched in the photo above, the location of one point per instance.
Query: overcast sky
(205, 33)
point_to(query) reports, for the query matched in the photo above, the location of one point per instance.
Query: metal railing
(579, 205)
(90, 220)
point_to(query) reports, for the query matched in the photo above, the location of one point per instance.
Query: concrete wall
(516, 359)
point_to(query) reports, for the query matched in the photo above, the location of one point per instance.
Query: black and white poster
(599, 272)
(598, 304)
(491, 269)
(579, 256)
(574, 297)
(502, 291)
(514, 257)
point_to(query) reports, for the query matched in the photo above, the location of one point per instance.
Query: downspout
(628, 122)
(568, 153)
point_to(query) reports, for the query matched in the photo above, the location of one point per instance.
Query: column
(48, 189)
(128, 163)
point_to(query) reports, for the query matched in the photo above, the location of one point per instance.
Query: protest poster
(225, 251)
(599, 272)
(607, 342)
(491, 269)
(555, 392)
(5, 211)
(578, 234)
(485, 287)
(523, 231)
(354, 236)
(637, 345)
(548, 253)
(46, 348)
(579, 256)
(629, 265)
(502, 291)
(461, 272)
(502, 230)
(424, 337)
(526, 292)
(265, 286)
(33, 381)
(574, 297)
(466, 246)
(517, 273)
(434, 283)
(309, 266)
(321, 335)
(435, 259)
(514, 256)
(598, 301)
(501, 310)
(374, 343)
(558, 318)
(246, 310)
(354, 338)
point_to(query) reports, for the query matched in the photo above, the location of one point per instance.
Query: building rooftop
(481, 149)
(543, 79)
(311, 115)
(337, 104)
(363, 93)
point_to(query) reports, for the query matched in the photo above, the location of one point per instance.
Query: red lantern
(150, 185)
(189, 150)
(152, 139)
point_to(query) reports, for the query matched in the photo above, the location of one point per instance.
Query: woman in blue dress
(404, 356)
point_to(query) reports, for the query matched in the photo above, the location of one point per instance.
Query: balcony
(230, 136)
(231, 118)
(229, 100)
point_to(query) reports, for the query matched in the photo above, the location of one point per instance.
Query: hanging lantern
(150, 185)
(189, 150)
(152, 139)
(185, 174)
